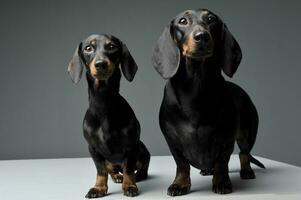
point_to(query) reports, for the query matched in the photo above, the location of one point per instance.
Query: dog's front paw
(96, 192)
(247, 174)
(222, 187)
(177, 189)
(130, 191)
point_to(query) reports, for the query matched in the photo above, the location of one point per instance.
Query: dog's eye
(183, 21)
(211, 18)
(111, 46)
(89, 48)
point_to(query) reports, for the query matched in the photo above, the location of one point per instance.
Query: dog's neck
(101, 92)
(199, 74)
(198, 81)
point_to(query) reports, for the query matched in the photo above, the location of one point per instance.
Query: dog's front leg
(100, 188)
(181, 184)
(221, 182)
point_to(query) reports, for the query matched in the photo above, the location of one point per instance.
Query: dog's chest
(108, 143)
(198, 144)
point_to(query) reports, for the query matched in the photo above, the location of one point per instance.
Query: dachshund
(202, 114)
(110, 126)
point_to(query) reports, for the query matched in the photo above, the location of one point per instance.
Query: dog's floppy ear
(166, 56)
(230, 53)
(128, 64)
(76, 65)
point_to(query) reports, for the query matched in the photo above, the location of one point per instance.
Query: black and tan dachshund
(202, 114)
(110, 125)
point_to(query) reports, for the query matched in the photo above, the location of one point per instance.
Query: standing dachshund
(110, 125)
(202, 115)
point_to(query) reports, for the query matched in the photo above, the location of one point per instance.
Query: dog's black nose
(201, 35)
(101, 65)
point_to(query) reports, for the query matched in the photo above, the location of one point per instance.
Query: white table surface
(63, 179)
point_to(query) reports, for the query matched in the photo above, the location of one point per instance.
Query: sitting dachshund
(110, 125)
(202, 115)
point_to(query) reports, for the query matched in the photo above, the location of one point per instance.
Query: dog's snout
(101, 65)
(197, 36)
(201, 36)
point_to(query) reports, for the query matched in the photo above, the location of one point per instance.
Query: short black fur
(202, 114)
(110, 125)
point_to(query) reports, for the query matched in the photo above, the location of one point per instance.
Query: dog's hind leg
(129, 186)
(142, 163)
(115, 172)
(246, 172)
(246, 137)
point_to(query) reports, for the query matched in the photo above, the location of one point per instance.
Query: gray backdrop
(42, 111)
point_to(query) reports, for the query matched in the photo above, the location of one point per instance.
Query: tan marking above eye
(204, 14)
(187, 12)
(93, 42)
